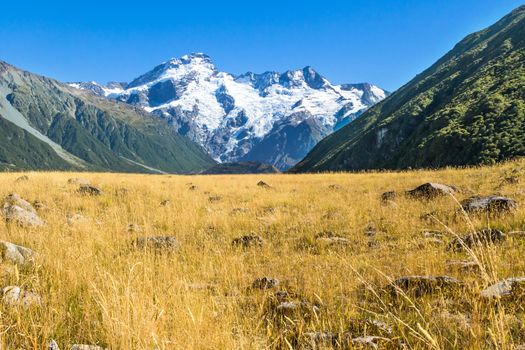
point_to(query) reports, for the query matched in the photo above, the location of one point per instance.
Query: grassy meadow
(97, 288)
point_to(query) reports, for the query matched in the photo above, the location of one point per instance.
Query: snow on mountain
(231, 115)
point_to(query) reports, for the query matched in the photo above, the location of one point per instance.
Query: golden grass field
(97, 288)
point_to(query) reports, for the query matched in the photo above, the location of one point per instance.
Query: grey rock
(15, 296)
(489, 205)
(430, 190)
(53, 345)
(15, 254)
(481, 238)
(388, 196)
(21, 216)
(511, 287)
(263, 184)
(15, 199)
(89, 190)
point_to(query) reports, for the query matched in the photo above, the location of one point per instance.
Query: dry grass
(98, 289)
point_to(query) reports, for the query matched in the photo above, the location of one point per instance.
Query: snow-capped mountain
(270, 117)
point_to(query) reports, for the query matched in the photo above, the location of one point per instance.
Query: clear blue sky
(385, 42)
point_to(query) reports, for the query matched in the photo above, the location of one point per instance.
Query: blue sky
(385, 42)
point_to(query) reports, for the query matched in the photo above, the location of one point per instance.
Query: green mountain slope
(59, 127)
(468, 108)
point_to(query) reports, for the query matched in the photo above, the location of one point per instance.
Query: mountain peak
(249, 116)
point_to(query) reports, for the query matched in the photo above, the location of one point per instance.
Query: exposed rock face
(430, 190)
(489, 205)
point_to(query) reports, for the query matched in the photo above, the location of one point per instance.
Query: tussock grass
(98, 289)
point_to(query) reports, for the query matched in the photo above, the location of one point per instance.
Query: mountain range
(273, 118)
(466, 109)
(47, 125)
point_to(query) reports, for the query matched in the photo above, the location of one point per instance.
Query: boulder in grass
(430, 190)
(21, 216)
(159, 243)
(15, 199)
(421, 285)
(388, 196)
(15, 254)
(509, 288)
(15, 296)
(481, 238)
(489, 205)
(89, 190)
(263, 184)
(53, 345)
